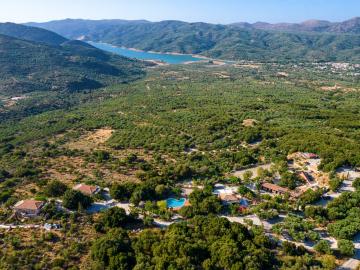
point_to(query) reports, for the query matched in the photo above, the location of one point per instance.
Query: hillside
(31, 33)
(27, 66)
(216, 41)
(148, 140)
(75, 28)
(351, 26)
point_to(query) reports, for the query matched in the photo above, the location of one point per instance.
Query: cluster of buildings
(32, 208)
(227, 194)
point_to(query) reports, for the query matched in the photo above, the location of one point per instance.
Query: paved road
(27, 226)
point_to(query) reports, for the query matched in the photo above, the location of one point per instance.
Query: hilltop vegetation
(216, 41)
(74, 66)
(31, 34)
(56, 64)
(143, 138)
(202, 112)
(178, 123)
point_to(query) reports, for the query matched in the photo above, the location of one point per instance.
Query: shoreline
(156, 52)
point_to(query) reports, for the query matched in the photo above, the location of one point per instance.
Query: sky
(213, 11)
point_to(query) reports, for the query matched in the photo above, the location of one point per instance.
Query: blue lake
(164, 57)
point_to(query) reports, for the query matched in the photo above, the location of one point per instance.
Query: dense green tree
(74, 199)
(122, 192)
(113, 251)
(55, 189)
(203, 202)
(114, 217)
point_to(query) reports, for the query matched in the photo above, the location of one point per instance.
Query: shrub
(323, 247)
(346, 247)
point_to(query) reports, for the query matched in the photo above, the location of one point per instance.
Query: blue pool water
(164, 57)
(174, 203)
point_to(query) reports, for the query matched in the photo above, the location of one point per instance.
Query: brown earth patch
(249, 122)
(71, 169)
(330, 88)
(91, 140)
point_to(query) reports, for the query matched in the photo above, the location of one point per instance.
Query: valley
(246, 157)
(139, 133)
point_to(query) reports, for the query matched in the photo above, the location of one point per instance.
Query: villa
(28, 208)
(87, 189)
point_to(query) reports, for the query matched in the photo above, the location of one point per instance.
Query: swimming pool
(174, 203)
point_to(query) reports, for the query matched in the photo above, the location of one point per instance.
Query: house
(275, 189)
(228, 198)
(87, 189)
(28, 208)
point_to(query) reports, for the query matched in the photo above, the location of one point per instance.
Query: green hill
(31, 33)
(27, 66)
(217, 41)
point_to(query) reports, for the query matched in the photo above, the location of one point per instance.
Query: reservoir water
(141, 55)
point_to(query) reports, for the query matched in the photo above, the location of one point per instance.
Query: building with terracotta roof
(229, 198)
(28, 208)
(275, 189)
(87, 189)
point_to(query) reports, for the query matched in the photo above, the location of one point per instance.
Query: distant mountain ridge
(351, 26)
(228, 42)
(72, 28)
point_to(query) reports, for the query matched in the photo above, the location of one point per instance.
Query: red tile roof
(229, 197)
(86, 189)
(274, 187)
(29, 205)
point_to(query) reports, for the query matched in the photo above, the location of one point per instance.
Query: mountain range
(351, 26)
(229, 42)
(34, 59)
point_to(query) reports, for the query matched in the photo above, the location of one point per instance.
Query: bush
(335, 184)
(292, 250)
(323, 247)
(356, 183)
(346, 247)
(4, 175)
